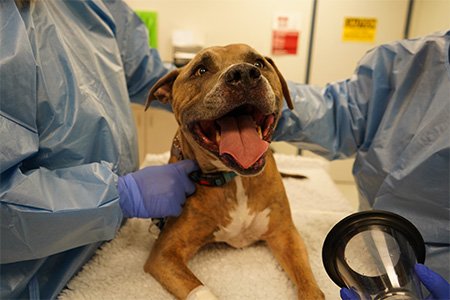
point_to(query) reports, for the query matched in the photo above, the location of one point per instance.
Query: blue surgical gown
(393, 116)
(68, 70)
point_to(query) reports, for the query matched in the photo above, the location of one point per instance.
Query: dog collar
(212, 179)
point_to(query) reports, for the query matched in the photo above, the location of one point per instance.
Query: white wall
(334, 59)
(429, 16)
(220, 22)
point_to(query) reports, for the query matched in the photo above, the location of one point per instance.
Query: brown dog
(227, 101)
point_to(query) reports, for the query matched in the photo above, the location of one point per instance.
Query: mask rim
(347, 228)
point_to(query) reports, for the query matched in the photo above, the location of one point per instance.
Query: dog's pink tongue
(240, 139)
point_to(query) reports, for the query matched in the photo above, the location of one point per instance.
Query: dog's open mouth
(239, 139)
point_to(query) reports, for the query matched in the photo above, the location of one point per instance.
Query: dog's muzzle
(242, 109)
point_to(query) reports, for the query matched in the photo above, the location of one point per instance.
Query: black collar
(209, 179)
(212, 179)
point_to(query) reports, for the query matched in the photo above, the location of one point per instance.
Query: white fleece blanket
(116, 270)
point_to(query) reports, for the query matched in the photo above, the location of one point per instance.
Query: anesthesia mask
(373, 253)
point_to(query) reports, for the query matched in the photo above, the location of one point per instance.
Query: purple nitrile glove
(435, 283)
(156, 191)
(347, 294)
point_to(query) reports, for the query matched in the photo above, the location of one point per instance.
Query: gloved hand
(156, 191)
(438, 286)
(347, 294)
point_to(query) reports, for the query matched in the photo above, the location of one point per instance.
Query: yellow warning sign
(359, 30)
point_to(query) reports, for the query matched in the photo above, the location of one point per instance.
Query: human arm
(43, 210)
(66, 128)
(49, 211)
(142, 64)
(336, 120)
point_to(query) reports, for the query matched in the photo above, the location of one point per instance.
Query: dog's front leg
(290, 251)
(170, 253)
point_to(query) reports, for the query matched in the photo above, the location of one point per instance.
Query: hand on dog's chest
(246, 227)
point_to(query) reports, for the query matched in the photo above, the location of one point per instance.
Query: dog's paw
(201, 293)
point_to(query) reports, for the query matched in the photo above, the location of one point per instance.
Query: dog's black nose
(243, 74)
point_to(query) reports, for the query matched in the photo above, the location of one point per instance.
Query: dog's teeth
(218, 135)
(258, 128)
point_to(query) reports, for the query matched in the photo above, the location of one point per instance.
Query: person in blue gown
(68, 71)
(393, 117)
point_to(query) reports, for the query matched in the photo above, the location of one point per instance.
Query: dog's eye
(200, 70)
(259, 64)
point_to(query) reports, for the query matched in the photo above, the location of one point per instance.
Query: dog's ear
(284, 85)
(162, 90)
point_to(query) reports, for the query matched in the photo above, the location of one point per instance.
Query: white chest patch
(245, 227)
